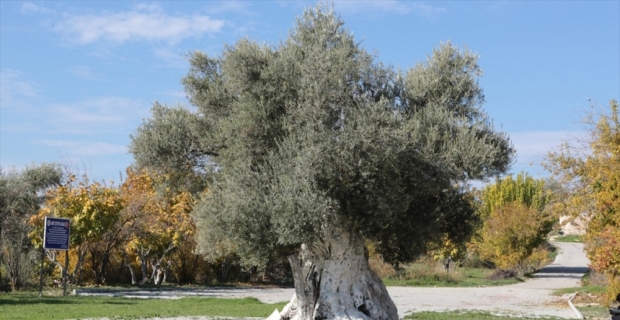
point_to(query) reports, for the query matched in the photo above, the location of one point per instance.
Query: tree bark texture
(52, 255)
(127, 263)
(78, 271)
(333, 280)
(142, 255)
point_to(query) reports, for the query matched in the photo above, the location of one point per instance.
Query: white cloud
(31, 8)
(427, 10)
(15, 89)
(146, 22)
(171, 58)
(532, 146)
(388, 6)
(84, 72)
(82, 148)
(239, 7)
(25, 111)
(108, 114)
(179, 94)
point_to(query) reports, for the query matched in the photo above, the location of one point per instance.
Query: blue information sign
(56, 234)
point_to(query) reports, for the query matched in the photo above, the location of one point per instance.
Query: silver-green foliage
(20, 190)
(315, 131)
(21, 194)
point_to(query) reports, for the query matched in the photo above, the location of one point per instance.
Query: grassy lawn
(593, 289)
(594, 312)
(420, 276)
(475, 273)
(29, 306)
(569, 238)
(589, 301)
(463, 315)
(591, 297)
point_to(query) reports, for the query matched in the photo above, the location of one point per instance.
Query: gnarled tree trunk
(127, 263)
(334, 281)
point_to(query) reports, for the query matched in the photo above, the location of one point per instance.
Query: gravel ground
(532, 297)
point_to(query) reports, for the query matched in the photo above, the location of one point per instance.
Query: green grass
(475, 273)
(552, 254)
(569, 238)
(593, 289)
(29, 306)
(591, 297)
(463, 277)
(464, 315)
(594, 312)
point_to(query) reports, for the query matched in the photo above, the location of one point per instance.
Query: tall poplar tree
(515, 222)
(312, 146)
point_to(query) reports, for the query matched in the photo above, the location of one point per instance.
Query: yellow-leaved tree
(93, 209)
(591, 180)
(158, 221)
(514, 221)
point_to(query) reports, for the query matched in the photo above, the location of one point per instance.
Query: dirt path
(532, 297)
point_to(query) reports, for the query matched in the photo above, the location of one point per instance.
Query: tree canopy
(94, 210)
(316, 132)
(515, 222)
(20, 197)
(591, 181)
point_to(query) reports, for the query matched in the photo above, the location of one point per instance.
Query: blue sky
(77, 77)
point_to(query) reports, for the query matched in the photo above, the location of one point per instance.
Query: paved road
(532, 297)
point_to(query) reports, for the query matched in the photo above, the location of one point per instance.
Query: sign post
(56, 237)
(41, 275)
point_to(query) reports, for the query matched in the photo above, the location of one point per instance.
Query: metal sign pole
(41, 276)
(64, 276)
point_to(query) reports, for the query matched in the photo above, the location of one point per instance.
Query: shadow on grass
(14, 301)
(118, 302)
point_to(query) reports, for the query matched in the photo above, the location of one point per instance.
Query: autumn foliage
(139, 232)
(156, 224)
(514, 221)
(93, 210)
(591, 180)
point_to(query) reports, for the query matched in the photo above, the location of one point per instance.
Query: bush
(512, 237)
(426, 270)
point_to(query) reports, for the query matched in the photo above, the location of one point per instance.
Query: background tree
(156, 223)
(20, 197)
(112, 227)
(514, 221)
(313, 146)
(451, 251)
(591, 180)
(93, 209)
(522, 189)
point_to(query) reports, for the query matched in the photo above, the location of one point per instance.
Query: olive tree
(20, 198)
(312, 146)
